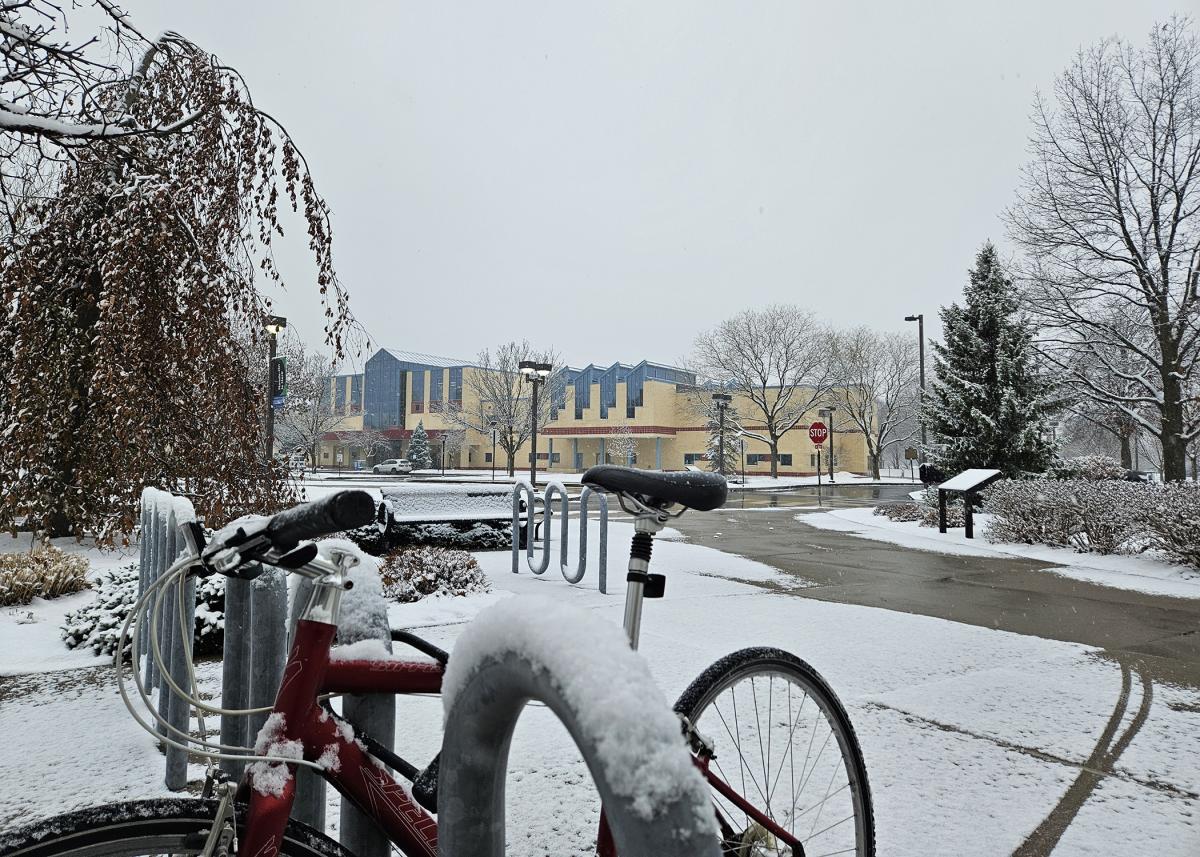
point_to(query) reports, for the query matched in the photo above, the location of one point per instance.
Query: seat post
(644, 528)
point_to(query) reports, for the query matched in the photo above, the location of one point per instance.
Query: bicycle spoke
(829, 828)
(745, 768)
(761, 754)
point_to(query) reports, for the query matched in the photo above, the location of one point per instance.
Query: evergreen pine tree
(989, 402)
(733, 444)
(418, 448)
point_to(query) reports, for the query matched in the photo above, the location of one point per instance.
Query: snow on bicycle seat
(700, 491)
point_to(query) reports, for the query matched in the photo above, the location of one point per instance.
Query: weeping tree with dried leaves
(140, 192)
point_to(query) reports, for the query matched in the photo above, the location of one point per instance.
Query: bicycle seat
(700, 491)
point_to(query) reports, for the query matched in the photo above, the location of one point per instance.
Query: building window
(487, 458)
(554, 459)
(786, 459)
(435, 388)
(694, 457)
(456, 385)
(418, 391)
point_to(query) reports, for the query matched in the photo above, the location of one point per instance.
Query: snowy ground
(972, 736)
(1143, 573)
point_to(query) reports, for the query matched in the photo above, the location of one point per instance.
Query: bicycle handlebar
(344, 510)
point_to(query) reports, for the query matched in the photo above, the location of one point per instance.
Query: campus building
(643, 415)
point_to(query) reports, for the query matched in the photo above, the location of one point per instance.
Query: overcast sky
(608, 179)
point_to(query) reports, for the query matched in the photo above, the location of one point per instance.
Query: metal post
(818, 476)
(235, 670)
(493, 450)
(268, 649)
(921, 335)
(270, 401)
(179, 711)
(533, 435)
(167, 620)
(832, 408)
(941, 511)
(373, 714)
(721, 439)
(968, 518)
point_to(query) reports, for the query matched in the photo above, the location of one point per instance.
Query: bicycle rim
(783, 741)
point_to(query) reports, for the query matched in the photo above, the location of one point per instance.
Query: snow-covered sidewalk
(1138, 573)
(972, 736)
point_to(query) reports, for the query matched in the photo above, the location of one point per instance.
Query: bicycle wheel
(781, 740)
(138, 828)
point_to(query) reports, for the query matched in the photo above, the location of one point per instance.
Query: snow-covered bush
(1094, 468)
(98, 625)
(905, 512)
(45, 572)
(1109, 515)
(1102, 516)
(413, 573)
(1031, 512)
(1171, 516)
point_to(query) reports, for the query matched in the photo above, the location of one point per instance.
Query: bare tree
(496, 391)
(877, 387)
(309, 411)
(1110, 216)
(777, 359)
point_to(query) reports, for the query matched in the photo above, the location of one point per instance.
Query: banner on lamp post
(278, 381)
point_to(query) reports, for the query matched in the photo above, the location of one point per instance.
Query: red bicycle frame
(310, 672)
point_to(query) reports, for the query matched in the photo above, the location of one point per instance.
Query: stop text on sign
(817, 433)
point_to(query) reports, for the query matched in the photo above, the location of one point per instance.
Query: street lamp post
(493, 425)
(535, 373)
(920, 320)
(722, 400)
(443, 457)
(829, 410)
(274, 325)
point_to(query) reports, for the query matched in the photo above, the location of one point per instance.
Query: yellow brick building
(651, 409)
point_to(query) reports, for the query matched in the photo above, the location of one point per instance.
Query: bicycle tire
(135, 828)
(697, 703)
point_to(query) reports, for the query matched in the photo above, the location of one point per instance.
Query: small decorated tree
(723, 459)
(418, 448)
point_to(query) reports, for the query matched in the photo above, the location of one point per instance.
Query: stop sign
(817, 433)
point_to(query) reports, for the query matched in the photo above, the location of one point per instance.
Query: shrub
(98, 625)
(1171, 517)
(1031, 512)
(1109, 515)
(1094, 468)
(413, 573)
(904, 511)
(46, 572)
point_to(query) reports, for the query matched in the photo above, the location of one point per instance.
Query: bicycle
(251, 819)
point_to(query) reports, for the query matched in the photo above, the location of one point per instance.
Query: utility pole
(536, 373)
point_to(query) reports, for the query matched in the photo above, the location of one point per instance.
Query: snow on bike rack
(581, 667)
(557, 489)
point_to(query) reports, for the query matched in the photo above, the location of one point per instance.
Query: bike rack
(475, 745)
(553, 490)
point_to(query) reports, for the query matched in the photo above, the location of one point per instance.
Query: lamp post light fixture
(920, 320)
(493, 426)
(722, 400)
(273, 326)
(535, 373)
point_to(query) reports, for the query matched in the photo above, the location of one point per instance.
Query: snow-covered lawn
(1142, 573)
(972, 736)
(840, 477)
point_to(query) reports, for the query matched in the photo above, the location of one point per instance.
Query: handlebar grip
(344, 510)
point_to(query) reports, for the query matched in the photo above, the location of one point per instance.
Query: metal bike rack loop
(475, 748)
(553, 490)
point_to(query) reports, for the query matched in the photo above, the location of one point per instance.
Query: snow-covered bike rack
(553, 490)
(159, 545)
(582, 669)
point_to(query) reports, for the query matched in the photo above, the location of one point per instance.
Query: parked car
(393, 465)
